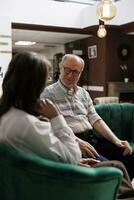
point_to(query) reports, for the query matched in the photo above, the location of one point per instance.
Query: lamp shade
(106, 10)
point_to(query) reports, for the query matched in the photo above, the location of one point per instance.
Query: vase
(126, 80)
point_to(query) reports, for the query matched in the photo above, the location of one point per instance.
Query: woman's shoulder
(19, 115)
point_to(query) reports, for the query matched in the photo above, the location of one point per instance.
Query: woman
(21, 112)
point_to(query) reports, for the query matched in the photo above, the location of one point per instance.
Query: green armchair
(120, 118)
(29, 177)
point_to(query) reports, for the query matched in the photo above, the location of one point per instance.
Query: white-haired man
(77, 108)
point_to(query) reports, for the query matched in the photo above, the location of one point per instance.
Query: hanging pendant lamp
(106, 10)
(101, 31)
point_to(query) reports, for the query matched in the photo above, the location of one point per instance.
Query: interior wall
(96, 72)
(43, 12)
(50, 55)
(51, 52)
(106, 66)
(5, 47)
(115, 42)
(52, 13)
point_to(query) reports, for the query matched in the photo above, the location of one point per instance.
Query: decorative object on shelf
(123, 52)
(92, 51)
(126, 80)
(106, 10)
(101, 31)
(124, 69)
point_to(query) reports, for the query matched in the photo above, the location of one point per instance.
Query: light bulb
(101, 31)
(106, 10)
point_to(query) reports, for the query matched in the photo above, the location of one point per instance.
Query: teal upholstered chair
(28, 177)
(120, 118)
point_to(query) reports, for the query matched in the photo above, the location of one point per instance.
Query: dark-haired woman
(21, 111)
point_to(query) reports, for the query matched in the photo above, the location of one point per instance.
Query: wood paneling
(106, 67)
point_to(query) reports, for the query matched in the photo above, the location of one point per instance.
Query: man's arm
(107, 133)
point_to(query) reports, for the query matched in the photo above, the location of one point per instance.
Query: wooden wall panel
(106, 67)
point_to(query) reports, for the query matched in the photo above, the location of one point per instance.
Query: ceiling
(46, 40)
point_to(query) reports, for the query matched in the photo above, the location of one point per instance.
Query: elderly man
(77, 107)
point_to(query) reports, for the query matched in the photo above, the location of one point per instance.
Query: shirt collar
(64, 88)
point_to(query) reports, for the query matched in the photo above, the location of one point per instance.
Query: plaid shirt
(77, 109)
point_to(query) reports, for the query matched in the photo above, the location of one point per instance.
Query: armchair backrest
(24, 177)
(120, 118)
(105, 100)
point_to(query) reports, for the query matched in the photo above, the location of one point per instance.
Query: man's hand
(87, 162)
(87, 149)
(125, 145)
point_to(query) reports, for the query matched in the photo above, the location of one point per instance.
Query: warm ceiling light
(24, 43)
(101, 31)
(106, 10)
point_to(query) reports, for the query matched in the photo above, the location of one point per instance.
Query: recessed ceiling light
(25, 43)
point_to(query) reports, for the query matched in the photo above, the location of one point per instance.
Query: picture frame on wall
(92, 51)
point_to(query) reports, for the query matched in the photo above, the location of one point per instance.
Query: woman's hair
(23, 82)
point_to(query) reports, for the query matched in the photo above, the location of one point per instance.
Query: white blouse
(49, 139)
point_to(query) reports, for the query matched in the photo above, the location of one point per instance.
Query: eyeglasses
(67, 70)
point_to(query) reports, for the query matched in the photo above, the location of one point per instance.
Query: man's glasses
(67, 70)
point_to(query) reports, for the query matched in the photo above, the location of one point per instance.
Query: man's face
(70, 72)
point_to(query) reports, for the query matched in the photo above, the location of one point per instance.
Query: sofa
(120, 118)
(25, 176)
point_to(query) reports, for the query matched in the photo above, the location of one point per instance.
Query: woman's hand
(48, 109)
(87, 162)
(87, 149)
